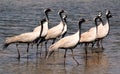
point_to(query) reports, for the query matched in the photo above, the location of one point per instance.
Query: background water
(19, 16)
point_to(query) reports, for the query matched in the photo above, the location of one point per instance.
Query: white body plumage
(55, 31)
(66, 42)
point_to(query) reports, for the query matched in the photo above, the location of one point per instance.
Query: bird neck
(63, 22)
(107, 21)
(41, 29)
(101, 21)
(61, 17)
(47, 18)
(79, 30)
(96, 26)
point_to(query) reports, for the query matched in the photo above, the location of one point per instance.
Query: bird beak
(66, 12)
(52, 10)
(87, 20)
(49, 54)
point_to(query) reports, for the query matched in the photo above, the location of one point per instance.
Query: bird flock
(42, 33)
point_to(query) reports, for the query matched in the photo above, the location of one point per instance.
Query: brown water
(19, 16)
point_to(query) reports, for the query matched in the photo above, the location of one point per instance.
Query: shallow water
(19, 16)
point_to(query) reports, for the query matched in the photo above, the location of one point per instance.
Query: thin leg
(53, 41)
(65, 56)
(98, 43)
(32, 45)
(28, 48)
(93, 43)
(18, 52)
(37, 48)
(101, 43)
(41, 48)
(74, 57)
(86, 48)
(46, 48)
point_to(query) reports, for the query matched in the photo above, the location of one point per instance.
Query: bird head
(47, 10)
(108, 14)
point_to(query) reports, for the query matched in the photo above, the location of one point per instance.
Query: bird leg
(32, 45)
(65, 56)
(41, 49)
(74, 57)
(98, 43)
(53, 41)
(101, 43)
(86, 48)
(93, 43)
(46, 48)
(37, 48)
(28, 48)
(18, 51)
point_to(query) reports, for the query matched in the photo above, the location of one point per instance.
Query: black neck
(61, 17)
(65, 20)
(80, 29)
(47, 18)
(96, 26)
(62, 21)
(41, 29)
(107, 18)
(101, 21)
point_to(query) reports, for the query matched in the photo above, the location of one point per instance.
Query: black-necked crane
(103, 30)
(65, 26)
(99, 27)
(45, 29)
(46, 11)
(68, 42)
(90, 35)
(28, 37)
(57, 30)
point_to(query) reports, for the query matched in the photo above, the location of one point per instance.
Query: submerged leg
(32, 45)
(74, 57)
(101, 43)
(93, 43)
(18, 52)
(46, 48)
(65, 56)
(28, 48)
(98, 43)
(37, 48)
(86, 48)
(41, 48)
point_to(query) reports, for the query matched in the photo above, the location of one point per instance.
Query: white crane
(90, 35)
(57, 30)
(99, 27)
(103, 29)
(28, 37)
(45, 29)
(68, 42)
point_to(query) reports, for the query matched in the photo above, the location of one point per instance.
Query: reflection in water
(96, 63)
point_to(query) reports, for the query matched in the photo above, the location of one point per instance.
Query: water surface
(19, 16)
